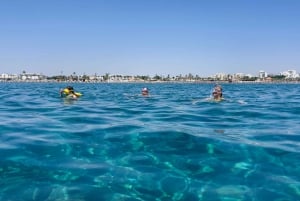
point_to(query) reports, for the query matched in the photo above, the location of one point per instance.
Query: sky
(149, 37)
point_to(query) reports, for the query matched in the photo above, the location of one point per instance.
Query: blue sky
(148, 37)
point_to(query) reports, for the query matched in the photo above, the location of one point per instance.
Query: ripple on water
(114, 144)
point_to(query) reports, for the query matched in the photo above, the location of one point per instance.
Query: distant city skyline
(149, 37)
(290, 73)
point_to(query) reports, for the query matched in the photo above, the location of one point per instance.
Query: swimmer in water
(217, 93)
(69, 92)
(145, 91)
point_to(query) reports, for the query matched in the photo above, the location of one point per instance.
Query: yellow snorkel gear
(78, 94)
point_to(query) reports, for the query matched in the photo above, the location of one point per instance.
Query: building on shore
(32, 77)
(262, 75)
(290, 74)
(8, 77)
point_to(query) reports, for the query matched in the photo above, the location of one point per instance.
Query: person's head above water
(217, 92)
(70, 88)
(145, 91)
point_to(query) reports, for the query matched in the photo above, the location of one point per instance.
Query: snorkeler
(145, 91)
(217, 93)
(69, 92)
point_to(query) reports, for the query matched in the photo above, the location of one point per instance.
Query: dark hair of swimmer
(218, 90)
(71, 89)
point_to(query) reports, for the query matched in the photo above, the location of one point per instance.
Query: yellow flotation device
(78, 94)
(67, 92)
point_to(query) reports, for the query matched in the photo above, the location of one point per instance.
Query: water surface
(114, 144)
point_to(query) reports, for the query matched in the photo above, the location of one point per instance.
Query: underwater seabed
(150, 169)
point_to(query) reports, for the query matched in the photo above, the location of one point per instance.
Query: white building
(96, 77)
(5, 76)
(290, 74)
(32, 76)
(262, 74)
(221, 76)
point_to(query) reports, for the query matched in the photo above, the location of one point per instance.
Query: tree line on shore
(146, 78)
(186, 78)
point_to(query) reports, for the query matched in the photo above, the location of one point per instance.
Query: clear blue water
(114, 144)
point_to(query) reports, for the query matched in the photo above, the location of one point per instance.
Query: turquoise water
(114, 144)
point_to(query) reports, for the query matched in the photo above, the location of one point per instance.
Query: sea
(175, 144)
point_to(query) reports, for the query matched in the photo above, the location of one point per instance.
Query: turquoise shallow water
(114, 144)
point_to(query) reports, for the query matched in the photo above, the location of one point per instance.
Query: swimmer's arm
(61, 93)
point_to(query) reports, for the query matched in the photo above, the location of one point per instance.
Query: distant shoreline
(151, 82)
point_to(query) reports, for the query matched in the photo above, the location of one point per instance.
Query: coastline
(153, 82)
